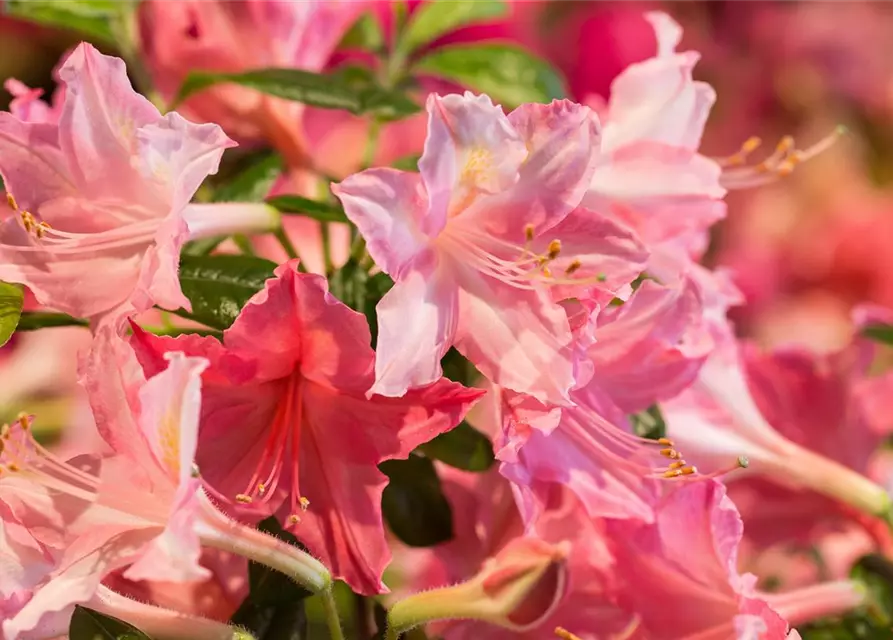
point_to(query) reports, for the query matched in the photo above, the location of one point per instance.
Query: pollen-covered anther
(564, 634)
(24, 420)
(670, 453)
(4, 431)
(554, 249)
(528, 232)
(244, 498)
(665, 441)
(293, 520)
(304, 502)
(572, 267)
(11, 201)
(740, 157)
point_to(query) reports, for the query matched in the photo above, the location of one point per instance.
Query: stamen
(554, 249)
(11, 202)
(564, 634)
(779, 164)
(241, 498)
(572, 267)
(528, 232)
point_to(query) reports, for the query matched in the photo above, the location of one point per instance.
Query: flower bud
(516, 589)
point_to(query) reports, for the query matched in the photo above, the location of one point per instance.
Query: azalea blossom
(484, 242)
(287, 427)
(100, 200)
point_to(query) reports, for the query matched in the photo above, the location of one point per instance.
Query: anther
(24, 420)
(554, 249)
(678, 464)
(11, 201)
(243, 499)
(293, 520)
(670, 453)
(304, 502)
(688, 471)
(4, 431)
(528, 232)
(672, 473)
(564, 634)
(572, 267)
(547, 272)
(261, 488)
(665, 441)
(12, 467)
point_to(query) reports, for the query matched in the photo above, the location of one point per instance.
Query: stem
(220, 532)
(326, 248)
(371, 143)
(284, 240)
(161, 623)
(331, 611)
(244, 244)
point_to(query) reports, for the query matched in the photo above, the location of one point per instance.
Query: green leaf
(33, 320)
(879, 332)
(87, 624)
(352, 89)
(413, 504)
(322, 211)
(649, 423)
(507, 73)
(407, 163)
(274, 607)
(464, 447)
(254, 183)
(219, 286)
(353, 285)
(365, 34)
(458, 368)
(12, 297)
(92, 18)
(434, 19)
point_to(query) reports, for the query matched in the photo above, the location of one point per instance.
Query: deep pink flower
(650, 175)
(101, 200)
(476, 241)
(287, 426)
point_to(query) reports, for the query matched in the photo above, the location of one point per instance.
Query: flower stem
(161, 623)
(220, 532)
(284, 240)
(331, 611)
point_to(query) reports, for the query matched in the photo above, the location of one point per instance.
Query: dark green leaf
(458, 368)
(219, 286)
(649, 423)
(353, 285)
(33, 320)
(463, 447)
(365, 34)
(347, 89)
(413, 504)
(92, 18)
(12, 297)
(87, 624)
(203, 246)
(507, 73)
(879, 332)
(434, 19)
(254, 183)
(322, 211)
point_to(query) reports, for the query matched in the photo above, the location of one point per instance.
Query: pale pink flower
(136, 509)
(476, 241)
(225, 36)
(650, 176)
(629, 357)
(27, 106)
(287, 426)
(101, 200)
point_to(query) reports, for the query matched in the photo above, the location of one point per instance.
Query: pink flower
(27, 106)
(650, 176)
(629, 357)
(476, 241)
(678, 574)
(735, 409)
(90, 515)
(828, 404)
(102, 199)
(287, 426)
(222, 36)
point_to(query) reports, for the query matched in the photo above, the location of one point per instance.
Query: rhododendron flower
(287, 426)
(678, 574)
(650, 175)
(137, 509)
(476, 241)
(828, 404)
(27, 106)
(101, 199)
(630, 357)
(226, 36)
(717, 419)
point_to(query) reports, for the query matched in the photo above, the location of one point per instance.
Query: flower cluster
(535, 284)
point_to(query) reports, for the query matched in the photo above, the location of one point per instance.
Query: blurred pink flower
(27, 106)
(99, 199)
(214, 35)
(296, 362)
(473, 241)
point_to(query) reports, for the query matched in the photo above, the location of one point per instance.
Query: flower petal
(416, 326)
(31, 163)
